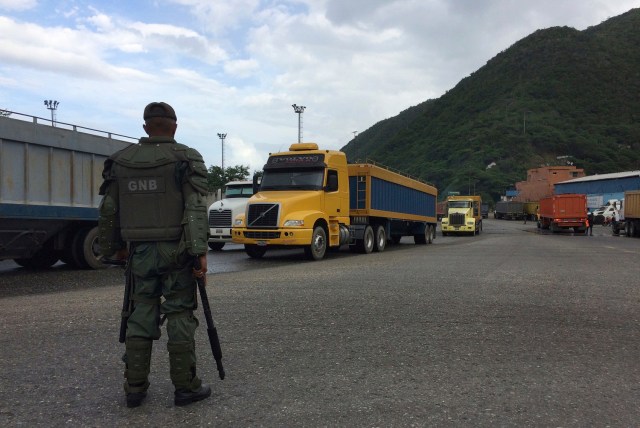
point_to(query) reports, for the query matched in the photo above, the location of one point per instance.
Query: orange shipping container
(563, 212)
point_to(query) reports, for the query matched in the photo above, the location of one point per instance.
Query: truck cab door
(332, 200)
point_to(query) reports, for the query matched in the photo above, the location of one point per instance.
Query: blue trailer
(403, 206)
(49, 182)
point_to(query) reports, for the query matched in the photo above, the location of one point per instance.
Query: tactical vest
(151, 200)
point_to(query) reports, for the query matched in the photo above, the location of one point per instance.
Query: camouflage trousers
(160, 271)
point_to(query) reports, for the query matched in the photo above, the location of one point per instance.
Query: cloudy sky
(237, 66)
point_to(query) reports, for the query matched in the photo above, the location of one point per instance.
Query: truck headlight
(294, 223)
(471, 223)
(237, 222)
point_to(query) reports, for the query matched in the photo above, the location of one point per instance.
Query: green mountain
(558, 95)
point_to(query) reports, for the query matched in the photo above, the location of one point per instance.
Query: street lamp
(222, 137)
(299, 110)
(53, 106)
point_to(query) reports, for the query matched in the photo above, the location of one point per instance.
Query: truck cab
(303, 200)
(463, 215)
(223, 211)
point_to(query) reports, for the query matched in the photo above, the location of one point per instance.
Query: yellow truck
(463, 215)
(313, 199)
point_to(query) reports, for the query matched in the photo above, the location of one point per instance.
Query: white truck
(222, 212)
(604, 214)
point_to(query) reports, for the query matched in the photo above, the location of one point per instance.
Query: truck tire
(631, 229)
(365, 245)
(318, 247)
(86, 248)
(216, 246)
(381, 239)
(431, 235)
(44, 258)
(422, 238)
(254, 251)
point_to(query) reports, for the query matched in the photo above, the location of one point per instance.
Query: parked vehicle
(509, 210)
(604, 214)
(563, 212)
(484, 210)
(531, 210)
(463, 215)
(629, 215)
(441, 209)
(313, 199)
(222, 212)
(49, 183)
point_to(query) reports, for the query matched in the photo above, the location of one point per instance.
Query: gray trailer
(49, 182)
(509, 210)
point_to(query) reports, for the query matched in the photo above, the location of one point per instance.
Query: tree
(216, 178)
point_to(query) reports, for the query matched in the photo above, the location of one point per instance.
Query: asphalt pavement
(509, 328)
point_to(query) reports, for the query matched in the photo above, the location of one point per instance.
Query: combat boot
(188, 387)
(184, 397)
(137, 366)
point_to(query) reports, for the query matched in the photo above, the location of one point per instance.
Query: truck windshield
(292, 179)
(242, 191)
(459, 204)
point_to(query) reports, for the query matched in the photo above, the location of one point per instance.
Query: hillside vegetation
(559, 92)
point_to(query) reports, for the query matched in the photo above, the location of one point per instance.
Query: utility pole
(53, 106)
(299, 110)
(222, 137)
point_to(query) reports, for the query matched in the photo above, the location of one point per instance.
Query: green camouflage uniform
(154, 198)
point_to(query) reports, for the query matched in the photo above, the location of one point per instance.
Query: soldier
(153, 212)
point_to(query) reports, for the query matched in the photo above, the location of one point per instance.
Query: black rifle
(214, 341)
(128, 289)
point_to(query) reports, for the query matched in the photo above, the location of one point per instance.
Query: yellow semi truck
(463, 215)
(313, 199)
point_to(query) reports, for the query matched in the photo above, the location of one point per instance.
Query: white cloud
(18, 4)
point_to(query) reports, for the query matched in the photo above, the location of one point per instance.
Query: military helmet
(159, 109)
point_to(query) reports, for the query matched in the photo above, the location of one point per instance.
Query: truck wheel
(365, 245)
(381, 239)
(216, 246)
(318, 247)
(254, 251)
(632, 229)
(44, 258)
(422, 238)
(86, 249)
(431, 234)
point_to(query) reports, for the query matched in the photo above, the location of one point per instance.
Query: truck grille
(456, 219)
(263, 215)
(220, 218)
(262, 235)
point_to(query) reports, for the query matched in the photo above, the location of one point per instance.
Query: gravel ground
(509, 328)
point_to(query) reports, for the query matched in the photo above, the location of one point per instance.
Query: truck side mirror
(257, 180)
(332, 183)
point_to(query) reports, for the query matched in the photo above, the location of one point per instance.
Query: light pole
(299, 110)
(53, 106)
(222, 137)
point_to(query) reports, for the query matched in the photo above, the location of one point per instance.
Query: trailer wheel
(632, 229)
(422, 238)
(381, 239)
(254, 251)
(44, 258)
(431, 235)
(318, 247)
(86, 248)
(216, 246)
